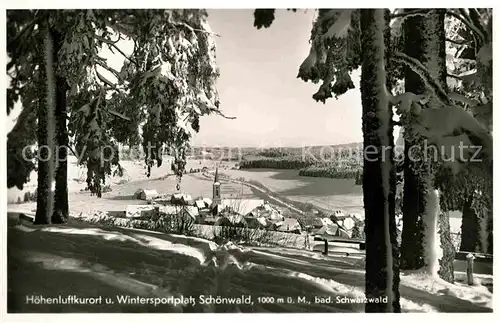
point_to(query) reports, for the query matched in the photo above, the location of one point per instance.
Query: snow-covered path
(91, 261)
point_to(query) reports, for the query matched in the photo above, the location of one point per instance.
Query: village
(249, 213)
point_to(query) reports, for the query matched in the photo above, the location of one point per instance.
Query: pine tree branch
(111, 43)
(28, 27)
(118, 114)
(454, 76)
(405, 101)
(417, 67)
(104, 80)
(192, 29)
(217, 111)
(466, 22)
(110, 69)
(11, 45)
(71, 149)
(116, 41)
(196, 29)
(119, 28)
(21, 119)
(461, 98)
(414, 13)
(457, 42)
(475, 19)
(464, 14)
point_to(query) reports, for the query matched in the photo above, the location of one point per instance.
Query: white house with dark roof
(267, 211)
(182, 199)
(200, 204)
(175, 210)
(289, 225)
(238, 206)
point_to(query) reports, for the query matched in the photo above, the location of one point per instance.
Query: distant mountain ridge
(253, 148)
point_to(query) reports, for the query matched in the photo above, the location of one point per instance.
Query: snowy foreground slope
(96, 261)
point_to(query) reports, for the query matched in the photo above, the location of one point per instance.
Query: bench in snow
(361, 243)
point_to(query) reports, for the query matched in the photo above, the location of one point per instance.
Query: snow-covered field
(134, 172)
(123, 188)
(95, 261)
(327, 193)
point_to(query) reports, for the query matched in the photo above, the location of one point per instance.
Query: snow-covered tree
(330, 61)
(424, 41)
(46, 133)
(168, 80)
(28, 87)
(426, 75)
(342, 41)
(379, 180)
(469, 62)
(430, 50)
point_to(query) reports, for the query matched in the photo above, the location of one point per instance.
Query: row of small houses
(250, 213)
(229, 218)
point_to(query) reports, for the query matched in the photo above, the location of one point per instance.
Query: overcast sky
(258, 85)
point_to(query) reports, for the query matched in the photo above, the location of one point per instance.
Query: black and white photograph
(246, 160)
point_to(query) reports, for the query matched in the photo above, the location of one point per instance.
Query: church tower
(216, 187)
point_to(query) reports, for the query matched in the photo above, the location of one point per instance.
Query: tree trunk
(61, 206)
(484, 226)
(490, 232)
(446, 270)
(382, 270)
(412, 254)
(435, 24)
(470, 226)
(425, 40)
(46, 133)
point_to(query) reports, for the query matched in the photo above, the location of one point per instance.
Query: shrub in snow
(165, 223)
(358, 231)
(233, 234)
(142, 194)
(185, 226)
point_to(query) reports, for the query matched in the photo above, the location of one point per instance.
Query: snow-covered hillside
(123, 264)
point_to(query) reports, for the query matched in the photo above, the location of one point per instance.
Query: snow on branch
(111, 43)
(413, 13)
(17, 44)
(105, 80)
(340, 27)
(462, 98)
(119, 115)
(454, 76)
(23, 117)
(207, 107)
(27, 29)
(196, 29)
(467, 22)
(110, 69)
(217, 111)
(405, 101)
(474, 17)
(192, 29)
(457, 42)
(417, 67)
